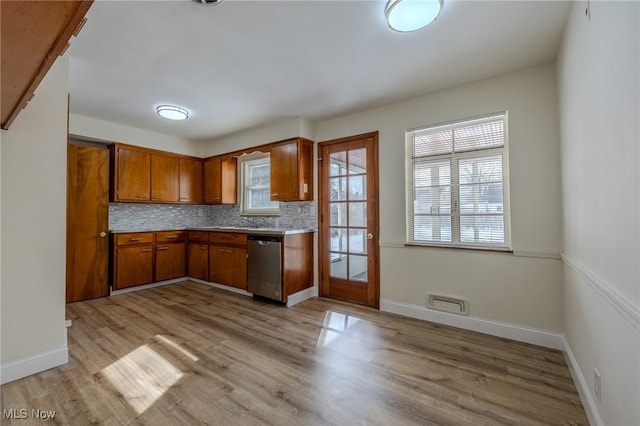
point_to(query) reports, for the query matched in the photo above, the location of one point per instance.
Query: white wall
(515, 289)
(87, 127)
(260, 135)
(598, 74)
(34, 159)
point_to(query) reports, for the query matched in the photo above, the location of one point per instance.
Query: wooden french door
(87, 222)
(348, 202)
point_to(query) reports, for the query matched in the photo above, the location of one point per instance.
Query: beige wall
(87, 127)
(599, 88)
(34, 223)
(283, 129)
(511, 288)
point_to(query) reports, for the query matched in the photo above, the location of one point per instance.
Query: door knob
(103, 234)
(369, 236)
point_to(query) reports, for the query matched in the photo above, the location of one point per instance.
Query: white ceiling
(243, 63)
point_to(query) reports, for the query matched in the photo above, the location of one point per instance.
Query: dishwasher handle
(265, 239)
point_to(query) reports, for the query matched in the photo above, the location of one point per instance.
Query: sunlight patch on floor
(142, 377)
(176, 346)
(335, 323)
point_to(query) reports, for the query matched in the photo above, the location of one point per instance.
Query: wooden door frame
(373, 203)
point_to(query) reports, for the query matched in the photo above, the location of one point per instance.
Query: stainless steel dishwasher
(264, 264)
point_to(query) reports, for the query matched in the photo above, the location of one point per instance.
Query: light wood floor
(191, 354)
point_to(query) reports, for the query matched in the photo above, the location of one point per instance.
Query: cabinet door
(165, 178)
(191, 181)
(284, 171)
(133, 266)
(213, 181)
(198, 261)
(228, 266)
(220, 181)
(170, 261)
(292, 170)
(133, 175)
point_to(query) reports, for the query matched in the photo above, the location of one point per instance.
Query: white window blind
(457, 184)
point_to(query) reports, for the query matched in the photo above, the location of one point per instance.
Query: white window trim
(244, 158)
(506, 246)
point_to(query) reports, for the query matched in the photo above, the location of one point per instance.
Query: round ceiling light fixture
(172, 112)
(208, 2)
(411, 15)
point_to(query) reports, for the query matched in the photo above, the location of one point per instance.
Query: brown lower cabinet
(228, 266)
(132, 259)
(133, 266)
(170, 261)
(220, 257)
(198, 261)
(145, 257)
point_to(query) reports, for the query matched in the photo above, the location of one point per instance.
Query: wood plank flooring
(188, 354)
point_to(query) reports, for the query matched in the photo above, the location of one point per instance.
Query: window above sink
(255, 185)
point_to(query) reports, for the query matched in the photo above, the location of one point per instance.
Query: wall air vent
(208, 2)
(453, 305)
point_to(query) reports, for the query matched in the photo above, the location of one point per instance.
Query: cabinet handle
(204, 247)
(184, 199)
(275, 194)
(134, 239)
(171, 237)
(142, 196)
(163, 248)
(225, 251)
(144, 250)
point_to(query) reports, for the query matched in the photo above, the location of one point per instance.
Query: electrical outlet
(597, 384)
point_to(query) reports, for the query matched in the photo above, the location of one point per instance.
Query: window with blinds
(457, 184)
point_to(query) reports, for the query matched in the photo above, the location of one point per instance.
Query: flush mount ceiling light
(172, 112)
(208, 2)
(411, 15)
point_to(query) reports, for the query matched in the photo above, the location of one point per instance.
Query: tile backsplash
(295, 215)
(137, 216)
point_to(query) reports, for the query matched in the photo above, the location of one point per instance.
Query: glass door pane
(348, 210)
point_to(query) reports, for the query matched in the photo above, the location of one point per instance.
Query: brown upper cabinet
(165, 178)
(191, 182)
(33, 34)
(292, 170)
(220, 180)
(150, 176)
(131, 172)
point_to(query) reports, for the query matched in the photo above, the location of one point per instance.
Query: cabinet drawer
(198, 236)
(228, 238)
(136, 238)
(170, 237)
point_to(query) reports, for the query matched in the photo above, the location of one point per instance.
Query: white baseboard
(301, 296)
(534, 336)
(146, 286)
(221, 286)
(586, 397)
(24, 367)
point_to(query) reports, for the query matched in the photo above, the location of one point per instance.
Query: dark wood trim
(373, 208)
(153, 151)
(261, 148)
(58, 47)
